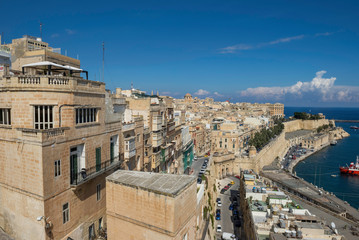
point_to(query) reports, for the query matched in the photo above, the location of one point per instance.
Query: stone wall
(226, 164)
(295, 125)
(133, 213)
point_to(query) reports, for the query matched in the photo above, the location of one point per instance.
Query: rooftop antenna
(41, 31)
(131, 85)
(103, 61)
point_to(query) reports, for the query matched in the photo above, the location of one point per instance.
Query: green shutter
(98, 159)
(73, 169)
(112, 151)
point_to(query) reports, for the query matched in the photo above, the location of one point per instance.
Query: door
(98, 159)
(73, 169)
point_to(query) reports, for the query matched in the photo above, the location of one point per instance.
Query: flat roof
(160, 183)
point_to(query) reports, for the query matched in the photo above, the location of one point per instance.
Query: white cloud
(201, 92)
(284, 40)
(55, 35)
(70, 31)
(235, 48)
(243, 47)
(324, 34)
(217, 94)
(320, 89)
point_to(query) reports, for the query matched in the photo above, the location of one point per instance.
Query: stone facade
(137, 210)
(40, 175)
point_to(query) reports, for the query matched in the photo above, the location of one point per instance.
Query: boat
(354, 127)
(334, 175)
(333, 143)
(352, 169)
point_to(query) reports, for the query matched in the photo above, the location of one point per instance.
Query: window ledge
(5, 126)
(83, 125)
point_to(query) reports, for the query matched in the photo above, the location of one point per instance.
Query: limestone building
(29, 49)
(56, 148)
(143, 205)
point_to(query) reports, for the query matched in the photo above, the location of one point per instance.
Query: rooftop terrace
(166, 184)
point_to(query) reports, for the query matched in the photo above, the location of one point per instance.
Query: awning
(54, 66)
(50, 67)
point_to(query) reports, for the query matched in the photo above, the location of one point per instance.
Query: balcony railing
(85, 174)
(42, 134)
(51, 82)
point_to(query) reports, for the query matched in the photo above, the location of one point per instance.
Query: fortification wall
(276, 148)
(295, 125)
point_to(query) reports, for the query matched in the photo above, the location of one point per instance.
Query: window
(43, 116)
(98, 159)
(65, 213)
(98, 192)
(5, 117)
(100, 223)
(92, 232)
(86, 115)
(57, 168)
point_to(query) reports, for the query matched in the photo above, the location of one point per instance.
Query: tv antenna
(41, 31)
(103, 61)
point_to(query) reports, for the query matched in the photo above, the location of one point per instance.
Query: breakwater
(348, 121)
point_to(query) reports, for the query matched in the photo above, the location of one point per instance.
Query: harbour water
(319, 167)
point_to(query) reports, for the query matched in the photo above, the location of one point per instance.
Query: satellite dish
(275, 230)
(333, 225)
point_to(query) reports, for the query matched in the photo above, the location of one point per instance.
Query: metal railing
(86, 174)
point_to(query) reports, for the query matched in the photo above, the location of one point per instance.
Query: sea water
(319, 167)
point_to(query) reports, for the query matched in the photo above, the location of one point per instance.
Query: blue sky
(301, 53)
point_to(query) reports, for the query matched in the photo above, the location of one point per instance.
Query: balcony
(128, 126)
(130, 154)
(45, 82)
(156, 139)
(86, 174)
(41, 135)
(130, 147)
(156, 159)
(156, 123)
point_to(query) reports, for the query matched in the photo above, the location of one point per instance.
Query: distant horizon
(284, 51)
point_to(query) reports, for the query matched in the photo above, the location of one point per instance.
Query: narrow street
(227, 198)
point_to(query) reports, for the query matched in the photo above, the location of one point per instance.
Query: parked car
(232, 182)
(235, 212)
(218, 199)
(219, 204)
(199, 180)
(237, 177)
(206, 160)
(226, 188)
(218, 216)
(218, 211)
(223, 191)
(219, 228)
(237, 223)
(231, 207)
